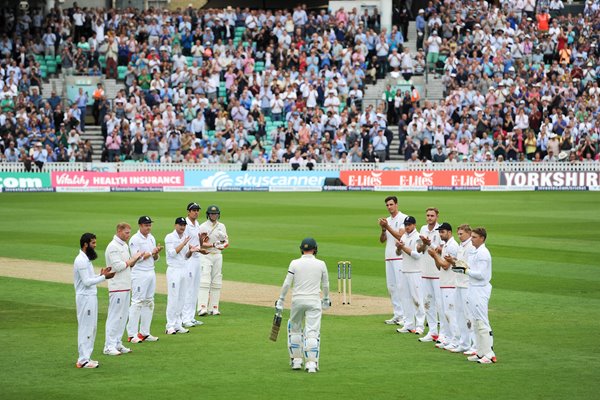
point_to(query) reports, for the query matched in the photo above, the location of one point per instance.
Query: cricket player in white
(193, 267)
(431, 276)
(414, 313)
(143, 283)
(447, 287)
(178, 252)
(211, 281)
(464, 319)
(392, 228)
(307, 275)
(86, 298)
(479, 270)
(119, 259)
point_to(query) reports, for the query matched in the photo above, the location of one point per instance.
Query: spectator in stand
(496, 83)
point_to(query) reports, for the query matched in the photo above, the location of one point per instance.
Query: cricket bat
(275, 327)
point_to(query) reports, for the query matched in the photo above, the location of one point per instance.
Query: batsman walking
(306, 275)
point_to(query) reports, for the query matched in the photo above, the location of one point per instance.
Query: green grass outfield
(544, 307)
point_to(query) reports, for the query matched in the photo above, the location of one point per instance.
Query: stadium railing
(143, 167)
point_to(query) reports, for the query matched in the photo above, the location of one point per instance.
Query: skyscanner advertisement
(257, 179)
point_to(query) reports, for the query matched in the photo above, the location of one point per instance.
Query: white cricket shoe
(418, 331)
(450, 347)
(147, 338)
(88, 364)
(405, 330)
(123, 349)
(192, 324)
(296, 363)
(426, 338)
(311, 367)
(459, 349)
(202, 312)
(171, 331)
(215, 311)
(393, 321)
(470, 352)
(474, 358)
(486, 360)
(135, 339)
(441, 345)
(112, 352)
(182, 330)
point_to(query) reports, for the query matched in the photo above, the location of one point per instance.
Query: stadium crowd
(520, 85)
(286, 86)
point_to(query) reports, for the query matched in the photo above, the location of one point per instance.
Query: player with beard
(86, 298)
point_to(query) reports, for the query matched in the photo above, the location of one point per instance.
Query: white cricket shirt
(396, 223)
(139, 242)
(84, 278)
(428, 268)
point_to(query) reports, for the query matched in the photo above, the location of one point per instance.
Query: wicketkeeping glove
(325, 303)
(279, 305)
(460, 267)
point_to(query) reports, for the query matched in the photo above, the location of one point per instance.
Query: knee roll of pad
(312, 343)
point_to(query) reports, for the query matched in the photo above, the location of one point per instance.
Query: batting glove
(279, 305)
(325, 303)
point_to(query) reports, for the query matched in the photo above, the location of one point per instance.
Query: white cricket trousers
(118, 308)
(177, 283)
(193, 268)
(211, 281)
(304, 328)
(143, 286)
(449, 329)
(393, 278)
(478, 298)
(87, 322)
(432, 300)
(464, 320)
(412, 300)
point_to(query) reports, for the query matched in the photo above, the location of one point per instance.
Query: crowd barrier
(106, 177)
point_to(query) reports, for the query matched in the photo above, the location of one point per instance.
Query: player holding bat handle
(306, 275)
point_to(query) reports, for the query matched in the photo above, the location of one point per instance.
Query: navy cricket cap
(144, 220)
(444, 227)
(180, 221)
(193, 206)
(410, 220)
